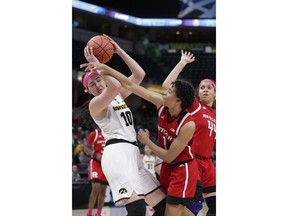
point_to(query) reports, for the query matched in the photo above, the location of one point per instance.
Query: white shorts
(125, 172)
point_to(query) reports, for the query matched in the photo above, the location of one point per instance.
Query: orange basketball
(102, 48)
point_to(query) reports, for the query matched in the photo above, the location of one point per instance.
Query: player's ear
(87, 91)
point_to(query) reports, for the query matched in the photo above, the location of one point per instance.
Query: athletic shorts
(125, 172)
(95, 172)
(179, 182)
(207, 173)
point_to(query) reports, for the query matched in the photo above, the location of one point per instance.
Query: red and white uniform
(96, 139)
(178, 178)
(204, 139)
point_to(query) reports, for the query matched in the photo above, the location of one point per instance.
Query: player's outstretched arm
(127, 83)
(138, 73)
(186, 57)
(142, 92)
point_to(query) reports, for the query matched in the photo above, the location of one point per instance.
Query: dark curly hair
(185, 92)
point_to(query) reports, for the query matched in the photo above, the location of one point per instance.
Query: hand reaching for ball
(117, 48)
(102, 48)
(93, 63)
(88, 53)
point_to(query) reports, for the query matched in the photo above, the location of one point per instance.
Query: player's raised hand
(89, 66)
(88, 53)
(92, 63)
(187, 57)
(117, 48)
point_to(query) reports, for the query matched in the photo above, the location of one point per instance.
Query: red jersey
(96, 139)
(168, 130)
(205, 133)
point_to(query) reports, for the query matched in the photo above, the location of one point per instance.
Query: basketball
(102, 48)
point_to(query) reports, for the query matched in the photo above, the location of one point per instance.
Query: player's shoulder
(91, 135)
(195, 108)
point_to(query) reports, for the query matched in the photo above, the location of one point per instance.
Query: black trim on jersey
(176, 201)
(177, 118)
(209, 189)
(152, 190)
(126, 198)
(113, 141)
(94, 181)
(202, 158)
(177, 163)
(98, 181)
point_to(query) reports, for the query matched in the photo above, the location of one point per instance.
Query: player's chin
(206, 99)
(99, 91)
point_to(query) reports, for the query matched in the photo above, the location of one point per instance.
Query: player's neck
(174, 112)
(207, 103)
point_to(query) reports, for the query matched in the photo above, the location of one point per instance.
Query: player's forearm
(134, 67)
(97, 156)
(160, 152)
(173, 75)
(87, 150)
(117, 75)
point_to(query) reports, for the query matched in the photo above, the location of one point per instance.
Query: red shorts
(179, 182)
(95, 172)
(207, 173)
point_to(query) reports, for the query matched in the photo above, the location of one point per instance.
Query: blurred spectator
(76, 151)
(75, 175)
(149, 160)
(83, 158)
(79, 146)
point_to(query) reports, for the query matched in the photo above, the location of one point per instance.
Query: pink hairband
(88, 76)
(210, 81)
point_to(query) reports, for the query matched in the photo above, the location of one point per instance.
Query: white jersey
(121, 162)
(118, 122)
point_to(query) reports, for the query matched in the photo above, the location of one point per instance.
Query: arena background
(156, 48)
(36, 94)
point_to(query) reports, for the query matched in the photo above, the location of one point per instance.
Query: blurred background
(151, 32)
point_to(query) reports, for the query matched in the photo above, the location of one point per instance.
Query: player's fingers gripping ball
(102, 48)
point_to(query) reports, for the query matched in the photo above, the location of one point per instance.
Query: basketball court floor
(121, 211)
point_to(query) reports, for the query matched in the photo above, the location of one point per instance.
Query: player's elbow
(129, 85)
(139, 76)
(142, 74)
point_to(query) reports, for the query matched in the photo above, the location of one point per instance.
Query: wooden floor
(121, 211)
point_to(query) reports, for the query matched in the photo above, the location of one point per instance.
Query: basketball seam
(102, 47)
